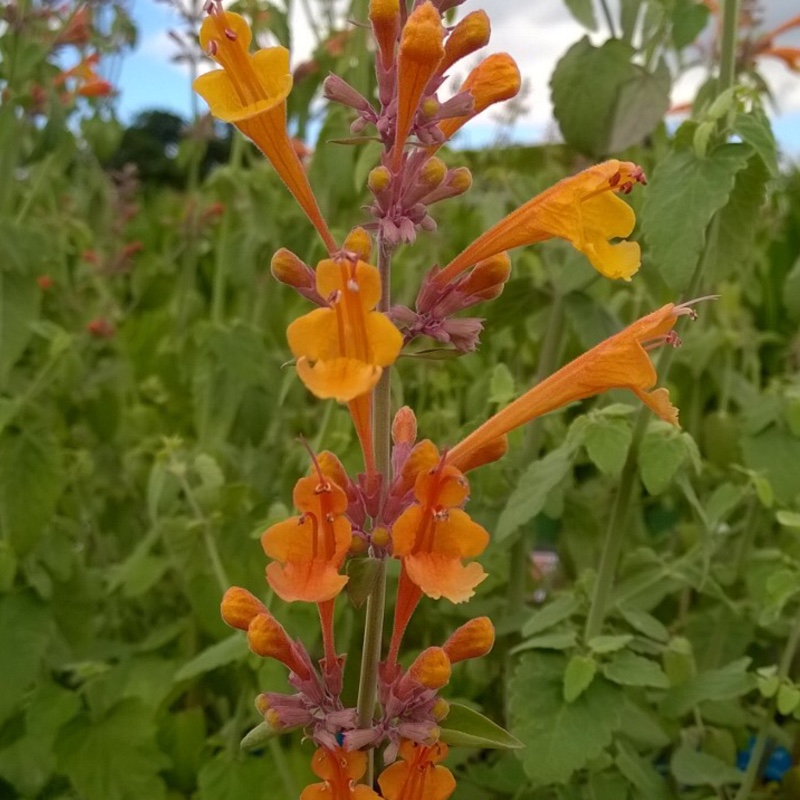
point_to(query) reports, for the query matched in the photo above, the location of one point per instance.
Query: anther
(212, 47)
(230, 35)
(614, 179)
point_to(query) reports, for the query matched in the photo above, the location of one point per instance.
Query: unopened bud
(358, 545)
(440, 710)
(268, 639)
(460, 180)
(358, 241)
(380, 537)
(289, 269)
(430, 107)
(472, 640)
(239, 608)
(340, 91)
(404, 426)
(433, 172)
(385, 18)
(332, 468)
(379, 179)
(431, 668)
(488, 277)
(469, 35)
(421, 40)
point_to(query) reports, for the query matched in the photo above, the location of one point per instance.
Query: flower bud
(239, 608)
(358, 241)
(268, 639)
(472, 640)
(429, 107)
(488, 277)
(433, 172)
(380, 537)
(289, 269)
(385, 18)
(404, 426)
(332, 468)
(440, 710)
(469, 35)
(379, 179)
(340, 91)
(431, 668)
(460, 180)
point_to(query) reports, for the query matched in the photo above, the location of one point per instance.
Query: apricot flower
(419, 775)
(250, 91)
(341, 350)
(309, 549)
(433, 535)
(583, 209)
(339, 771)
(619, 362)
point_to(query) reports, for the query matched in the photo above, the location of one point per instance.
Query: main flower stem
(376, 602)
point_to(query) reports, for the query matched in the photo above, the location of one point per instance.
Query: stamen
(614, 179)
(324, 484)
(352, 285)
(230, 35)
(212, 48)
(335, 297)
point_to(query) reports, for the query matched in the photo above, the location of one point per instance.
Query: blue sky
(147, 79)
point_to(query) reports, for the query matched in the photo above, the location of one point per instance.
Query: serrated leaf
(560, 737)
(465, 727)
(629, 669)
(114, 757)
(661, 455)
(578, 676)
(603, 101)
(607, 440)
(755, 129)
(694, 768)
(234, 648)
(645, 623)
(609, 644)
(227, 778)
(553, 613)
(557, 640)
(31, 481)
(732, 680)
(788, 698)
(682, 196)
(362, 573)
(533, 486)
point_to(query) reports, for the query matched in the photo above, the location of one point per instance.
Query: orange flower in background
(421, 52)
(310, 549)
(583, 209)
(434, 535)
(250, 91)
(339, 771)
(419, 775)
(87, 82)
(494, 80)
(341, 350)
(619, 362)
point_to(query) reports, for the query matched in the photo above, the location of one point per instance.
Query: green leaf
(641, 774)
(775, 455)
(603, 101)
(607, 440)
(114, 757)
(583, 11)
(609, 644)
(788, 698)
(501, 386)
(19, 307)
(754, 128)
(246, 778)
(31, 481)
(229, 650)
(560, 737)
(465, 727)
(557, 640)
(661, 455)
(578, 676)
(688, 20)
(629, 669)
(553, 613)
(682, 196)
(25, 632)
(789, 519)
(725, 683)
(530, 494)
(645, 623)
(362, 573)
(693, 768)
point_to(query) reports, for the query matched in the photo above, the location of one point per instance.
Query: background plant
(146, 444)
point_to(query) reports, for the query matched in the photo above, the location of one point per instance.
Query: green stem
(727, 57)
(376, 602)
(757, 753)
(609, 18)
(548, 358)
(282, 765)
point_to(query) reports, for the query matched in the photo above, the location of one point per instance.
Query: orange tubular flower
(310, 549)
(469, 35)
(418, 776)
(385, 18)
(250, 91)
(339, 771)
(620, 362)
(421, 52)
(341, 350)
(495, 79)
(582, 209)
(434, 535)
